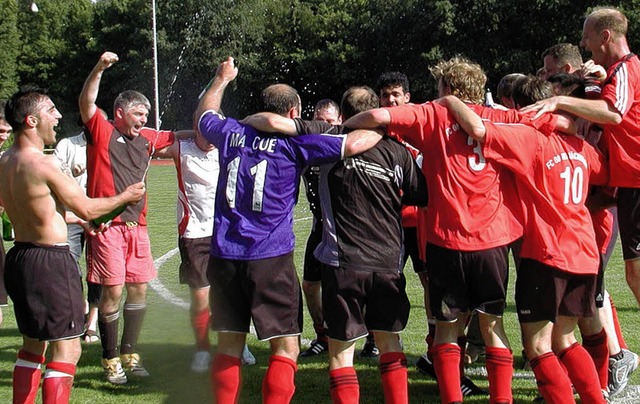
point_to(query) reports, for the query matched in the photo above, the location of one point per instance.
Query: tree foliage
(320, 47)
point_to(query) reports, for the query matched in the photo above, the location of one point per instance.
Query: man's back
(258, 186)
(362, 197)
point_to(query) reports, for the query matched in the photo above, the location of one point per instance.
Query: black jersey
(361, 201)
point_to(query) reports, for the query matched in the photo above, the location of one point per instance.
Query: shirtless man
(41, 275)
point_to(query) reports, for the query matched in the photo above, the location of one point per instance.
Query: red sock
(344, 386)
(225, 378)
(582, 373)
(200, 324)
(616, 324)
(446, 360)
(462, 343)
(394, 375)
(58, 381)
(499, 371)
(553, 383)
(596, 346)
(278, 385)
(26, 377)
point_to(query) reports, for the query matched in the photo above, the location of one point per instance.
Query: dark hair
(280, 98)
(505, 86)
(23, 103)
(531, 89)
(358, 99)
(2, 115)
(393, 79)
(569, 84)
(563, 53)
(326, 103)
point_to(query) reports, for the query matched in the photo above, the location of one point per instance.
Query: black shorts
(600, 289)
(267, 291)
(46, 290)
(356, 302)
(194, 254)
(411, 249)
(629, 222)
(543, 293)
(311, 271)
(3, 290)
(461, 281)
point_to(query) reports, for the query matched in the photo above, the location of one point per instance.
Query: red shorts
(122, 254)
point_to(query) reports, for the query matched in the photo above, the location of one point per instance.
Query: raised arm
(271, 123)
(470, 122)
(370, 119)
(212, 98)
(91, 86)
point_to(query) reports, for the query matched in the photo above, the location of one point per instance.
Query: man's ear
(293, 113)
(119, 113)
(31, 121)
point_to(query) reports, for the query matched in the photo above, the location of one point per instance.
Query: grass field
(166, 341)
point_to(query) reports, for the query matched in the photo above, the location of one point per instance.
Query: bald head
(280, 99)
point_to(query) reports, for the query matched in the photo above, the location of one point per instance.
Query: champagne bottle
(488, 98)
(7, 227)
(106, 219)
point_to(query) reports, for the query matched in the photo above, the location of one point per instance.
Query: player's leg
(108, 322)
(58, 378)
(225, 367)
(393, 367)
(535, 316)
(576, 360)
(134, 310)
(278, 385)
(344, 386)
(499, 359)
(27, 371)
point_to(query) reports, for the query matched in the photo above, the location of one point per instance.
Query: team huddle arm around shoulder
(361, 140)
(271, 123)
(470, 122)
(370, 119)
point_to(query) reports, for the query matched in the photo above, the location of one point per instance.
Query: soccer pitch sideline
(166, 344)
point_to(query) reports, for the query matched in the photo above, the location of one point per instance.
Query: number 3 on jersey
(259, 172)
(476, 161)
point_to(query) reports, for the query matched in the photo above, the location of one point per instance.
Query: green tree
(10, 45)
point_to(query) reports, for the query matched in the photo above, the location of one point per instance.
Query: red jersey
(553, 175)
(467, 194)
(622, 91)
(115, 161)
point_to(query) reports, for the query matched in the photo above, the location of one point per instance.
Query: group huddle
(455, 184)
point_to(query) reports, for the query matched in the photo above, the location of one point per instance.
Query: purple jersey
(258, 185)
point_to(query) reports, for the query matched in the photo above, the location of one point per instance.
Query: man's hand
(227, 70)
(107, 60)
(543, 106)
(589, 68)
(91, 228)
(134, 193)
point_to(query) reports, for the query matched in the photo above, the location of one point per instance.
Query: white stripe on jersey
(622, 88)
